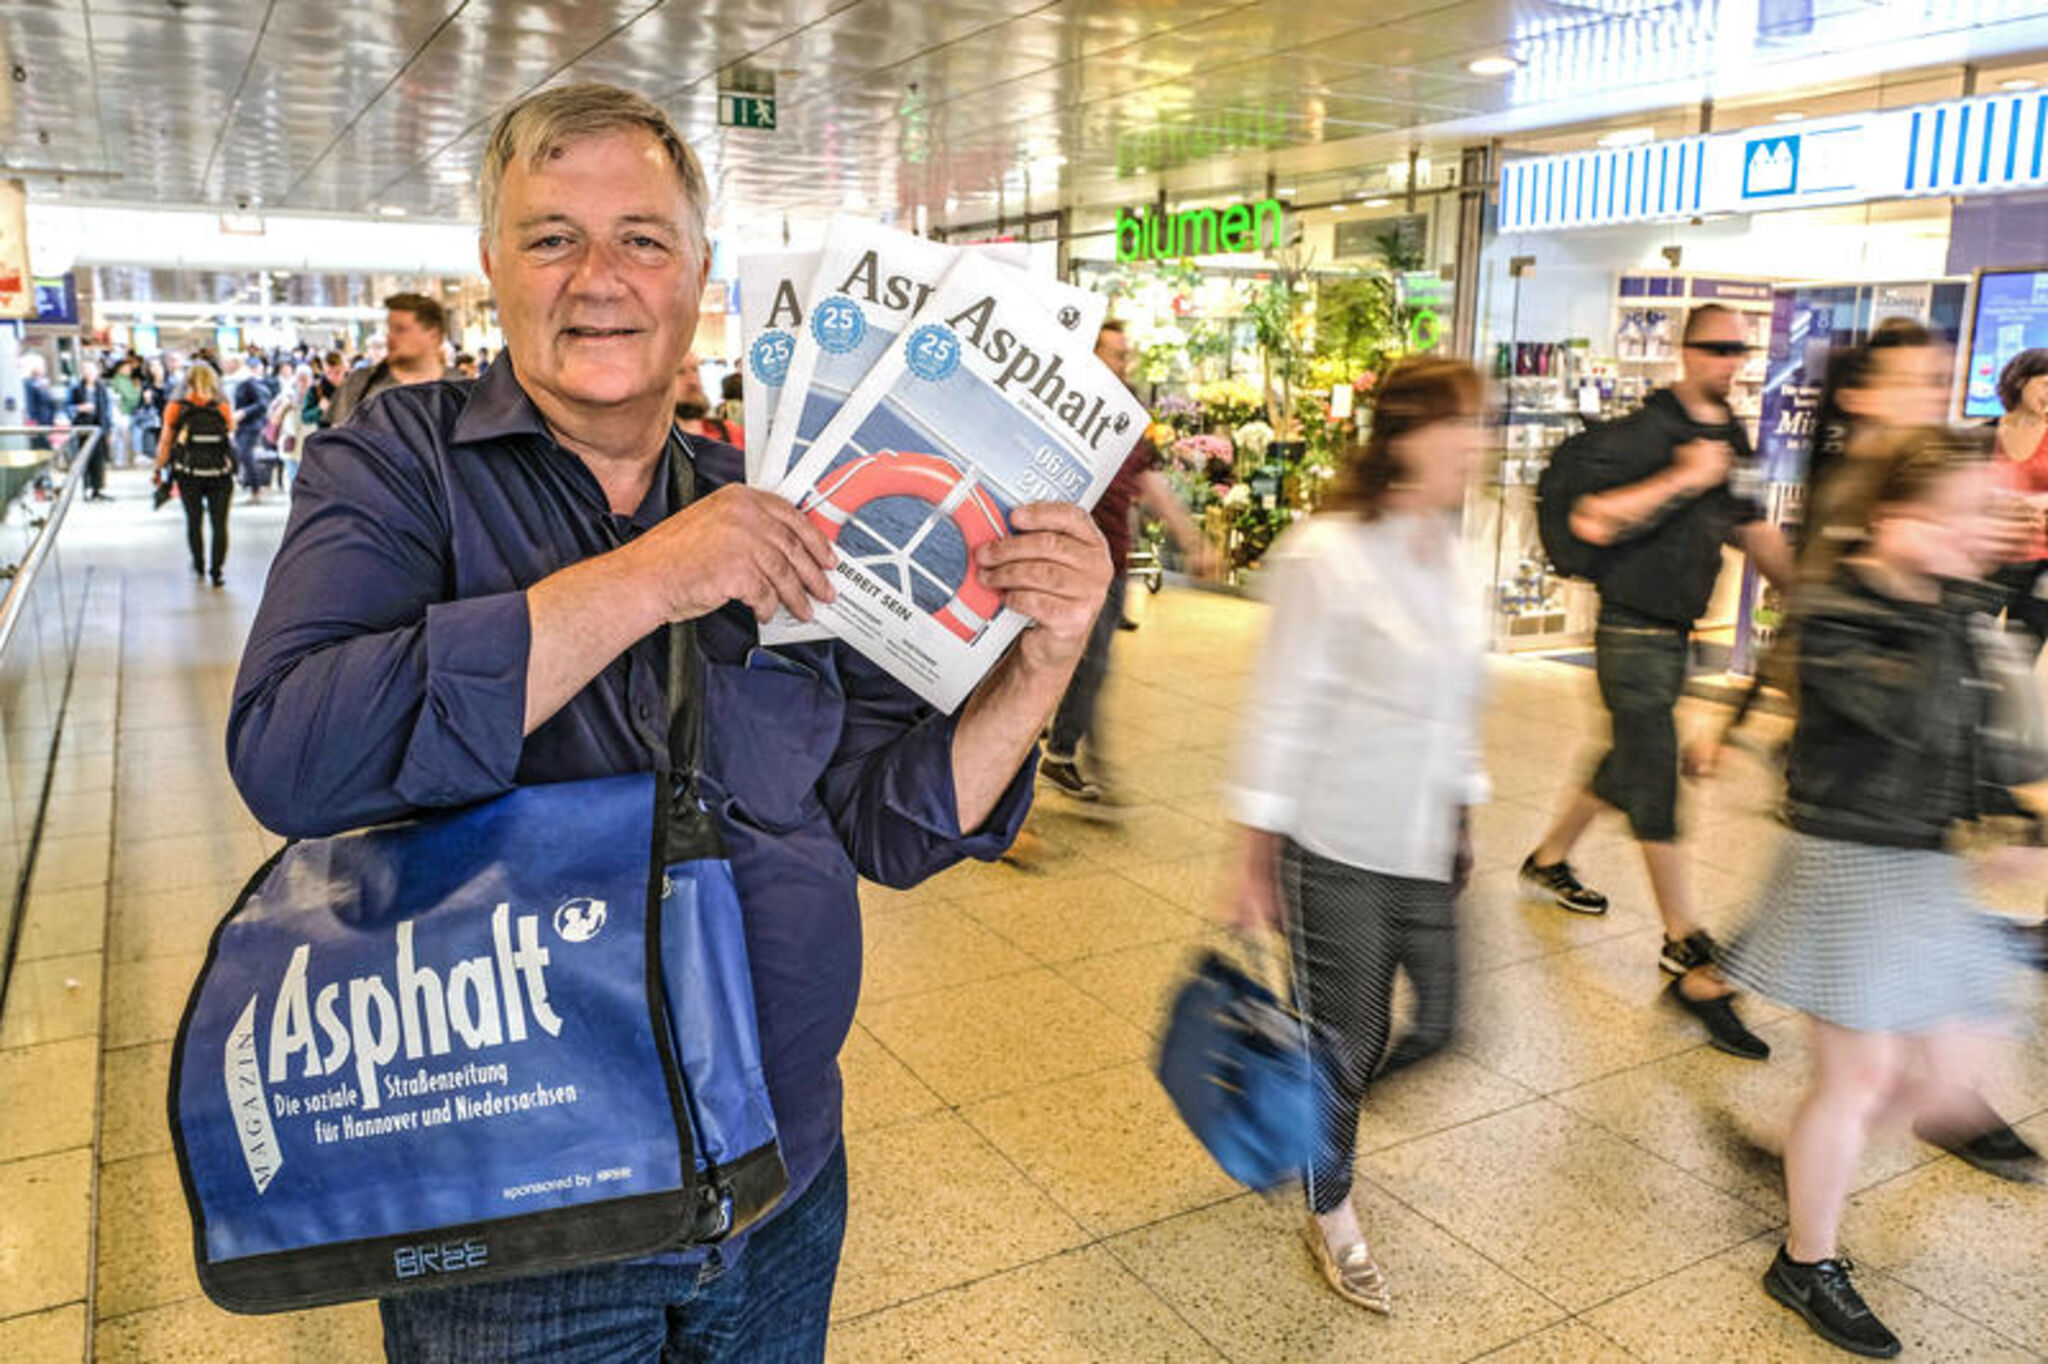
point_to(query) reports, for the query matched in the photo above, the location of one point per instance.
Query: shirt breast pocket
(774, 725)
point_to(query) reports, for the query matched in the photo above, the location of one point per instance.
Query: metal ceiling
(886, 105)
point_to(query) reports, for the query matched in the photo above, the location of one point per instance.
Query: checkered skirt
(1875, 939)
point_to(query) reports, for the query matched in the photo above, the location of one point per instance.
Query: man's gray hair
(539, 124)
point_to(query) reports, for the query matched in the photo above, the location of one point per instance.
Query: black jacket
(1888, 748)
(1666, 569)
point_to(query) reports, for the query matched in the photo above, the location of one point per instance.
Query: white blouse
(1362, 736)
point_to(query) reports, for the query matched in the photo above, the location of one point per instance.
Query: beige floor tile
(931, 947)
(155, 865)
(53, 1337)
(978, 1041)
(79, 815)
(1440, 1093)
(48, 1205)
(1038, 865)
(1718, 1310)
(1570, 1342)
(145, 1241)
(71, 863)
(64, 923)
(1195, 884)
(197, 1332)
(1498, 925)
(177, 922)
(1138, 984)
(52, 999)
(932, 1206)
(1564, 1205)
(1964, 1239)
(143, 818)
(1078, 1308)
(46, 1097)
(880, 1090)
(1240, 1275)
(1705, 1115)
(1552, 1023)
(145, 999)
(1082, 917)
(877, 900)
(1107, 1147)
(133, 1119)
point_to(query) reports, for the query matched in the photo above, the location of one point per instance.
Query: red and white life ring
(906, 473)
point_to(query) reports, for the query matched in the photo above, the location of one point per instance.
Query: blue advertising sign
(2011, 315)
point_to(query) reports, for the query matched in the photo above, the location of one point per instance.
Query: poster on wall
(1806, 325)
(17, 293)
(2011, 316)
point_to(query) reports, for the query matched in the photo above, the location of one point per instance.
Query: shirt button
(646, 713)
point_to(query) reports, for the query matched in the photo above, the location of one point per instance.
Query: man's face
(690, 383)
(1714, 355)
(336, 371)
(597, 271)
(408, 341)
(1114, 350)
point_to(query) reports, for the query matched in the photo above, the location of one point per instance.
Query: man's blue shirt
(386, 674)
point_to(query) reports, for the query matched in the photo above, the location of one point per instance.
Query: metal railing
(39, 635)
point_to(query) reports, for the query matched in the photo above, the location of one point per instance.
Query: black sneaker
(1557, 882)
(1822, 1293)
(1725, 1029)
(1999, 1151)
(1066, 775)
(1688, 953)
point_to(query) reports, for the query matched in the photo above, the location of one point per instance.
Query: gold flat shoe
(1355, 1275)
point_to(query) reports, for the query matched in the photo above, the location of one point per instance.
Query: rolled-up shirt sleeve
(889, 787)
(362, 693)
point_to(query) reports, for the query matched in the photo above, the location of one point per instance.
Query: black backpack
(203, 447)
(1558, 489)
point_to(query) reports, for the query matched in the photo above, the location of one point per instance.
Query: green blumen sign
(1147, 234)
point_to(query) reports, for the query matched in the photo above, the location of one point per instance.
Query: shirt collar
(498, 407)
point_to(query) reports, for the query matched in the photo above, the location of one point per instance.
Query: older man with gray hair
(471, 596)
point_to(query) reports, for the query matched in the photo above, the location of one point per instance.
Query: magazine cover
(773, 288)
(870, 280)
(985, 403)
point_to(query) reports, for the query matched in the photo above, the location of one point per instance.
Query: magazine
(773, 289)
(985, 402)
(869, 281)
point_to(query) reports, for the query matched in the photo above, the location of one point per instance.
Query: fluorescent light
(1285, 191)
(1377, 203)
(1492, 66)
(2018, 83)
(1629, 137)
(1340, 208)
(392, 211)
(1788, 116)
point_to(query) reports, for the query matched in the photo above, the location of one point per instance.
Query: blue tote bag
(493, 1042)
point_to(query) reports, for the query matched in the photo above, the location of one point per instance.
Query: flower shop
(1257, 376)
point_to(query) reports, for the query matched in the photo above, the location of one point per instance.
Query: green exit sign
(746, 111)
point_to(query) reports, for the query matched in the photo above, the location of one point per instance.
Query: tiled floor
(1567, 1185)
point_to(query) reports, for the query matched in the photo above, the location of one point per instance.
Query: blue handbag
(1247, 1075)
(499, 1041)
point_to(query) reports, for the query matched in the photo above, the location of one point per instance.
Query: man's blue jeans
(770, 1305)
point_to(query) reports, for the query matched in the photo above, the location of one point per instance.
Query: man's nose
(598, 272)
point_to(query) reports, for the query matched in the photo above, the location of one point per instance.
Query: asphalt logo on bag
(580, 919)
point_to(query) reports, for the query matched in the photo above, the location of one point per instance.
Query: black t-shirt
(1665, 569)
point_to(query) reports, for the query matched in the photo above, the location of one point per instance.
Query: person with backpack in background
(253, 397)
(1642, 507)
(198, 447)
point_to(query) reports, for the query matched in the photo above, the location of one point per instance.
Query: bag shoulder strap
(689, 832)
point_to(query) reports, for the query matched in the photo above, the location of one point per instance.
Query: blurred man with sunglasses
(1662, 492)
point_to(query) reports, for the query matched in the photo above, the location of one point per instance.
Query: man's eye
(644, 243)
(548, 243)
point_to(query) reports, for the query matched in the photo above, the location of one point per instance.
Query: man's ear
(483, 254)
